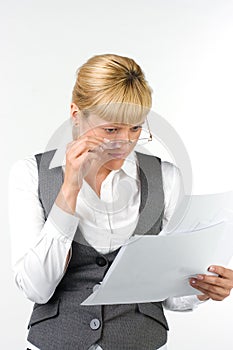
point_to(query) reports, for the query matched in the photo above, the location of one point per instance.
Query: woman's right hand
(79, 159)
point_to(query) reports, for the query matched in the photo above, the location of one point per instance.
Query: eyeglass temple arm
(150, 139)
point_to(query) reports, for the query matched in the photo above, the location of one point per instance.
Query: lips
(117, 155)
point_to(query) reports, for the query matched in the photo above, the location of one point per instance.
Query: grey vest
(62, 323)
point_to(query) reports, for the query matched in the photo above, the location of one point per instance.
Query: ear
(74, 113)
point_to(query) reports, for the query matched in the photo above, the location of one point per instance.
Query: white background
(185, 49)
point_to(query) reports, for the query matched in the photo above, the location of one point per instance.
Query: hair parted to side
(113, 87)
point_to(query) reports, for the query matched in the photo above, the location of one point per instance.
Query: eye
(136, 128)
(110, 130)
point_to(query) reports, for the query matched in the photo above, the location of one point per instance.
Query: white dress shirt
(40, 248)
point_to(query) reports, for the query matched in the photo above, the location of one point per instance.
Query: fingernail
(211, 268)
(193, 281)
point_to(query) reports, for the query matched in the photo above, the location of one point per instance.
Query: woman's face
(117, 136)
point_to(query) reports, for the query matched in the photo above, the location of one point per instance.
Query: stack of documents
(154, 267)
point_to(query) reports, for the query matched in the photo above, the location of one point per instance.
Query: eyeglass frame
(131, 141)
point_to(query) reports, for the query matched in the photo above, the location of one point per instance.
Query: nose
(123, 134)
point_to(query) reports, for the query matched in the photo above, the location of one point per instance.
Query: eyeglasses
(145, 136)
(111, 134)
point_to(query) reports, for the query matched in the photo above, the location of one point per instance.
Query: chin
(114, 164)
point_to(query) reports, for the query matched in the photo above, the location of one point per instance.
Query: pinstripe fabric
(62, 323)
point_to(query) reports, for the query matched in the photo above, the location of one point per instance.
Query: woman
(68, 222)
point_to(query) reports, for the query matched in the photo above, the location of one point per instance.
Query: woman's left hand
(214, 287)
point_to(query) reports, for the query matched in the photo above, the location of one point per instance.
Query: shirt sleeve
(173, 189)
(185, 303)
(173, 194)
(39, 247)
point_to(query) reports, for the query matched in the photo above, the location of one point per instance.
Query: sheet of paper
(197, 211)
(152, 268)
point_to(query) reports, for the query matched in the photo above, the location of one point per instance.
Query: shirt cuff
(194, 301)
(185, 303)
(62, 223)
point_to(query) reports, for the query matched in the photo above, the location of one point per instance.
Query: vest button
(101, 261)
(95, 324)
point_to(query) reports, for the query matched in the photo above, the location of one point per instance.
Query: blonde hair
(113, 87)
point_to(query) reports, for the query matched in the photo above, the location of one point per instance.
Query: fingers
(214, 281)
(84, 142)
(79, 159)
(76, 148)
(216, 287)
(215, 292)
(222, 271)
(217, 296)
(203, 297)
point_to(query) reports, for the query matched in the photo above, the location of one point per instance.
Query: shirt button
(101, 261)
(95, 324)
